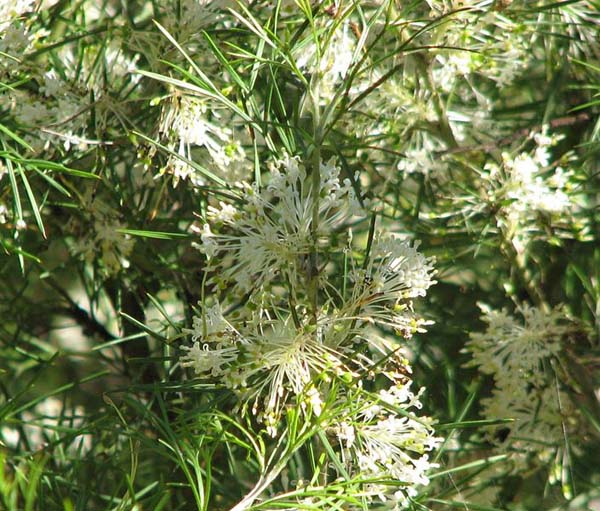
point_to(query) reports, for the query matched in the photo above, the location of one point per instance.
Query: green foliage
(195, 196)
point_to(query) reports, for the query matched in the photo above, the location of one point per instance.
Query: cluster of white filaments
(526, 186)
(191, 123)
(378, 442)
(332, 57)
(395, 273)
(102, 242)
(273, 235)
(521, 356)
(282, 347)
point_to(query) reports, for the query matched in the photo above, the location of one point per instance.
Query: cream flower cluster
(394, 274)
(332, 59)
(187, 124)
(521, 355)
(103, 242)
(57, 110)
(527, 188)
(264, 333)
(15, 37)
(271, 237)
(376, 440)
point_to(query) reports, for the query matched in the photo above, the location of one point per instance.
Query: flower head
(521, 356)
(509, 346)
(282, 362)
(216, 343)
(383, 290)
(385, 446)
(271, 235)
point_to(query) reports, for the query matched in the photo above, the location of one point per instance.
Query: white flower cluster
(377, 442)
(276, 348)
(272, 236)
(269, 361)
(67, 106)
(15, 37)
(103, 242)
(526, 188)
(488, 50)
(274, 362)
(186, 123)
(58, 117)
(395, 274)
(333, 58)
(521, 357)
(500, 43)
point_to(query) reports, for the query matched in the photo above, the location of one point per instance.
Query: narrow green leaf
(252, 25)
(462, 414)
(332, 455)
(43, 164)
(33, 202)
(153, 234)
(143, 327)
(33, 478)
(118, 341)
(52, 182)
(190, 60)
(60, 390)
(223, 60)
(474, 464)
(553, 5)
(161, 309)
(472, 424)
(15, 137)
(10, 247)
(585, 280)
(37, 164)
(193, 164)
(212, 91)
(15, 189)
(586, 64)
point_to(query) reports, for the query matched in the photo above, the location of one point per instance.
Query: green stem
(445, 130)
(522, 276)
(313, 285)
